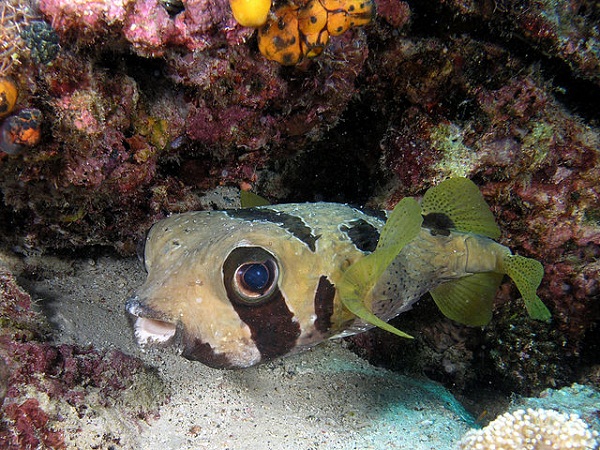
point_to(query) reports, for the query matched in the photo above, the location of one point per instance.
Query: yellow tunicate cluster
(250, 13)
(295, 32)
(539, 429)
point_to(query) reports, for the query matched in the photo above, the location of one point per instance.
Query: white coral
(539, 429)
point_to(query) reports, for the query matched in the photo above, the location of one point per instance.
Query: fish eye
(250, 275)
(255, 280)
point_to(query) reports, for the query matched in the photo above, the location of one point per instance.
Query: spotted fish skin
(235, 288)
(195, 260)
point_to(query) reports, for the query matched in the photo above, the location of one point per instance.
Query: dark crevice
(342, 167)
(580, 96)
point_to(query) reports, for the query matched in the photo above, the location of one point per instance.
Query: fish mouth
(147, 327)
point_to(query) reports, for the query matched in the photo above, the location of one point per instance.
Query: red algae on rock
(31, 424)
(145, 24)
(48, 388)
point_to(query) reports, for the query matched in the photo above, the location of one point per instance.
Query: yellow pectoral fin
(468, 300)
(527, 274)
(356, 286)
(401, 227)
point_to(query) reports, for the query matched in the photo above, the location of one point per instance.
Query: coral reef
(516, 349)
(205, 114)
(145, 24)
(579, 399)
(47, 388)
(149, 104)
(532, 429)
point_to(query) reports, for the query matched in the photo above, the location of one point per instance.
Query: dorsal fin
(250, 199)
(460, 201)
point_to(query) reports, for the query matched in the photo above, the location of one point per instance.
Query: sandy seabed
(326, 398)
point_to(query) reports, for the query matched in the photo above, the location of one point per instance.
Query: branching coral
(539, 429)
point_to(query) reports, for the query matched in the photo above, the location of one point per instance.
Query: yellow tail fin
(527, 274)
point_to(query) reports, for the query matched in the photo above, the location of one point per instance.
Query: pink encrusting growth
(146, 24)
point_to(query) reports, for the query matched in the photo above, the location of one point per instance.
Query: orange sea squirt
(8, 96)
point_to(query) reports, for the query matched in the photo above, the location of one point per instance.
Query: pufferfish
(239, 287)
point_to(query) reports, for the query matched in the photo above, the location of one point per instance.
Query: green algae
(156, 131)
(537, 144)
(458, 159)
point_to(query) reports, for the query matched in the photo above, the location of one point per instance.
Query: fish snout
(153, 327)
(149, 326)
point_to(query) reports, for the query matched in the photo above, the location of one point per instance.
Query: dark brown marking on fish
(196, 350)
(439, 224)
(273, 330)
(375, 213)
(363, 235)
(293, 224)
(271, 323)
(324, 304)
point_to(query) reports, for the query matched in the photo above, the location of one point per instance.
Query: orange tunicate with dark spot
(312, 23)
(361, 13)
(8, 96)
(351, 7)
(345, 14)
(294, 32)
(21, 131)
(338, 22)
(313, 45)
(312, 18)
(279, 38)
(334, 5)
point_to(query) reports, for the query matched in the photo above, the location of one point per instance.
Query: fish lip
(151, 327)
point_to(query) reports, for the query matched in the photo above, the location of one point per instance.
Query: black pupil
(256, 276)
